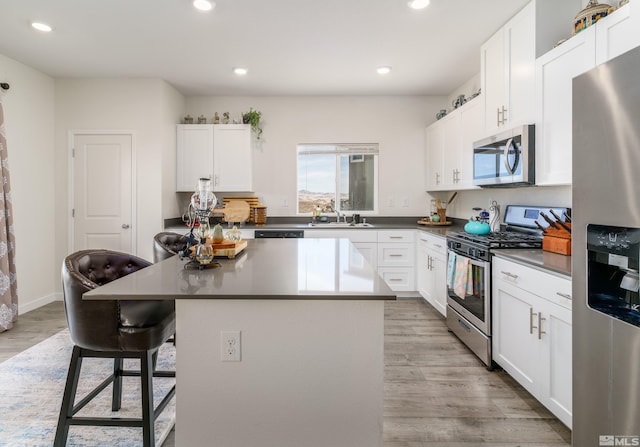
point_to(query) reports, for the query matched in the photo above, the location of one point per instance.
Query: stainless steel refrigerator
(606, 251)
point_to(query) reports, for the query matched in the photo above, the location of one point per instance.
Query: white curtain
(8, 283)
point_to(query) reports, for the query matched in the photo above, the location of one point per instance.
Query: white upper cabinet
(508, 60)
(221, 152)
(449, 151)
(433, 156)
(618, 32)
(194, 152)
(554, 79)
(232, 161)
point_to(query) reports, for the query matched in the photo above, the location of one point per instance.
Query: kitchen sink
(339, 225)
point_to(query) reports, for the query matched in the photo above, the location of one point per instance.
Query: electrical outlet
(230, 346)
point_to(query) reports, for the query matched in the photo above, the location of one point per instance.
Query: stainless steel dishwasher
(282, 234)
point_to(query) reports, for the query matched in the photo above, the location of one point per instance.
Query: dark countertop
(306, 269)
(540, 259)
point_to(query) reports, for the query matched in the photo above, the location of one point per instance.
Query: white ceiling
(291, 47)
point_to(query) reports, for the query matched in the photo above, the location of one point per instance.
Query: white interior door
(102, 192)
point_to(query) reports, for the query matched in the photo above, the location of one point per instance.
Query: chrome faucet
(337, 214)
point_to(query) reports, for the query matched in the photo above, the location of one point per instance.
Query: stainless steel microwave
(506, 159)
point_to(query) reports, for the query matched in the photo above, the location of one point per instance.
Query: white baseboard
(26, 307)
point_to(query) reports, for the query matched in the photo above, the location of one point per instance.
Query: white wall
(29, 122)
(396, 123)
(149, 108)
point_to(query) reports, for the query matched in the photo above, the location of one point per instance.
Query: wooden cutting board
(235, 211)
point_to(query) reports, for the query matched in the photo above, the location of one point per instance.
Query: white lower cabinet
(396, 259)
(431, 266)
(532, 332)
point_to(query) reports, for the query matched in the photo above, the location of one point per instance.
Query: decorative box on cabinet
(431, 273)
(532, 332)
(508, 60)
(555, 71)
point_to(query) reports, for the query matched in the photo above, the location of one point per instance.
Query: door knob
(125, 226)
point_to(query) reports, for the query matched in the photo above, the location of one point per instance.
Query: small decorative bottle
(217, 234)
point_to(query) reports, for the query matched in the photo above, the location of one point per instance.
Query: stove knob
(458, 244)
(471, 251)
(482, 253)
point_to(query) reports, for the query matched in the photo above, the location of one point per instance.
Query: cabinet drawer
(397, 236)
(396, 255)
(398, 279)
(436, 244)
(546, 285)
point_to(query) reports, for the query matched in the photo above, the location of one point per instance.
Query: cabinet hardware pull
(531, 326)
(504, 119)
(540, 331)
(395, 279)
(564, 295)
(125, 226)
(437, 245)
(395, 255)
(498, 116)
(511, 275)
(396, 237)
(437, 178)
(430, 263)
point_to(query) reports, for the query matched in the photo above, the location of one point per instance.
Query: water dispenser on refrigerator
(613, 264)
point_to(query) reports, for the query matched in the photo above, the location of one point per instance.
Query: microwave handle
(510, 169)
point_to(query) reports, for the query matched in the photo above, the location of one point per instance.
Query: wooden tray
(228, 249)
(428, 222)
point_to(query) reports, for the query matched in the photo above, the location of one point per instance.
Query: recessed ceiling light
(240, 71)
(204, 5)
(383, 70)
(41, 26)
(418, 4)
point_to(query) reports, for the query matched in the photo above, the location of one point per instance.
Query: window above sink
(337, 177)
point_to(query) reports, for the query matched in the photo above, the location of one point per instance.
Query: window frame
(351, 149)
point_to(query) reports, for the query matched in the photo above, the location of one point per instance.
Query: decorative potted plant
(253, 117)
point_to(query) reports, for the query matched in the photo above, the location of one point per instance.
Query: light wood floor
(437, 394)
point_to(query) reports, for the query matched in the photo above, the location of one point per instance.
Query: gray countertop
(543, 260)
(266, 269)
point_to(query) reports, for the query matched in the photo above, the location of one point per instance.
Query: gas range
(522, 225)
(479, 246)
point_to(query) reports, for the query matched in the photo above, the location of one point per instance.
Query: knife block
(557, 241)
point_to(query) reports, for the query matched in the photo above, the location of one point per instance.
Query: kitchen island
(310, 315)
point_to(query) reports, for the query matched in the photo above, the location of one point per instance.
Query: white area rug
(31, 388)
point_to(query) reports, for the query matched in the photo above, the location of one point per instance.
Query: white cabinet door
(433, 157)
(493, 80)
(532, 332)
(515, 347)
(556, 360)
(451, 143)
(432, 274)
(471, 130)
(555, 72)
(618, 33)
(194, 155)
(520, 67)
(369, 251)
(232, 160)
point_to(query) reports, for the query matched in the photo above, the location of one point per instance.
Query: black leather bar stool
(115, 329)
(167, 244)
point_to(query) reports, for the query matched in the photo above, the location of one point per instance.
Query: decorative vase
(218, 236)
(593, 12)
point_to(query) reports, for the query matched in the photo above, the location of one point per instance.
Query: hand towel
(451, 269)
(463, 281)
